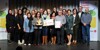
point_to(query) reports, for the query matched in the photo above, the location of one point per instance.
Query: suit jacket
(81, 13)
(77, 21)
(80, 18)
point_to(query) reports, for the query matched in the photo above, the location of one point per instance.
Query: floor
(93, 46)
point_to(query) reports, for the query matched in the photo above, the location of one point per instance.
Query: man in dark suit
(80, 13)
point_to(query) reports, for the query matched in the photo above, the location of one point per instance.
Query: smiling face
(33, 12)
(53, 16)
(74, 11)
(10, 11)
(20, 12)
(54, 9)
(48, 11)
(45, 12)
(60, 12)
(15, 11)
(64, 12)
(38, 15)
(41, 10)
(80, 8)
(87, 10)
(28, 15)
(61, 8)
(69, 12)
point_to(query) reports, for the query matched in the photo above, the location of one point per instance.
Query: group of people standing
(27, 27)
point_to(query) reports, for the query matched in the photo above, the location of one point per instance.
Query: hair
(30, 21)
(28, 13)
(64, 9)
(68, 10)
(44, 11)
(54, 7)
(52, 14)
(47, 11)
(81, 6)
(30, 16)
(37, 13)
(75, 9)
(19, 10)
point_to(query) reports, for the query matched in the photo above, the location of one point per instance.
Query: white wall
(99, 30)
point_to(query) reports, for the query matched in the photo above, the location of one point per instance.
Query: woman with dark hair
(76, 21)
(28, 29)
(69, 26)
(52, 29)
(16, 25)
(21, 33)
(24, 9)
(9, 25)
(38, 25)
(55, 10)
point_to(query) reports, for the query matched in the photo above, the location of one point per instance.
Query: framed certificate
(58, 24)
(48, 22)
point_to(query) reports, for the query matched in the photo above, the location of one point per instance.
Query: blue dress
(69, 24)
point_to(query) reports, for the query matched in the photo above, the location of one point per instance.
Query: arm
(90, 18)
(17, 20)
(71, 21)
(24, 25)
(77, 20)
(82, 19)
(64, 20)
(18, 26)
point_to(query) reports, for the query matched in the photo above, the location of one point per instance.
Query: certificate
(58, 24)
(48, 22)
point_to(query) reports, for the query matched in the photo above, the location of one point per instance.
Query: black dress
(10, 25)
(15, 19)
(20, 22)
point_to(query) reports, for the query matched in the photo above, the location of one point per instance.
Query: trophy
(39, 22)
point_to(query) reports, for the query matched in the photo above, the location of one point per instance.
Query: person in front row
(76, 22)
(45, 28)
(60, 31)
(86, 20)
(28, 29)
(38, 30)
(69, 26)
(9, 26)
